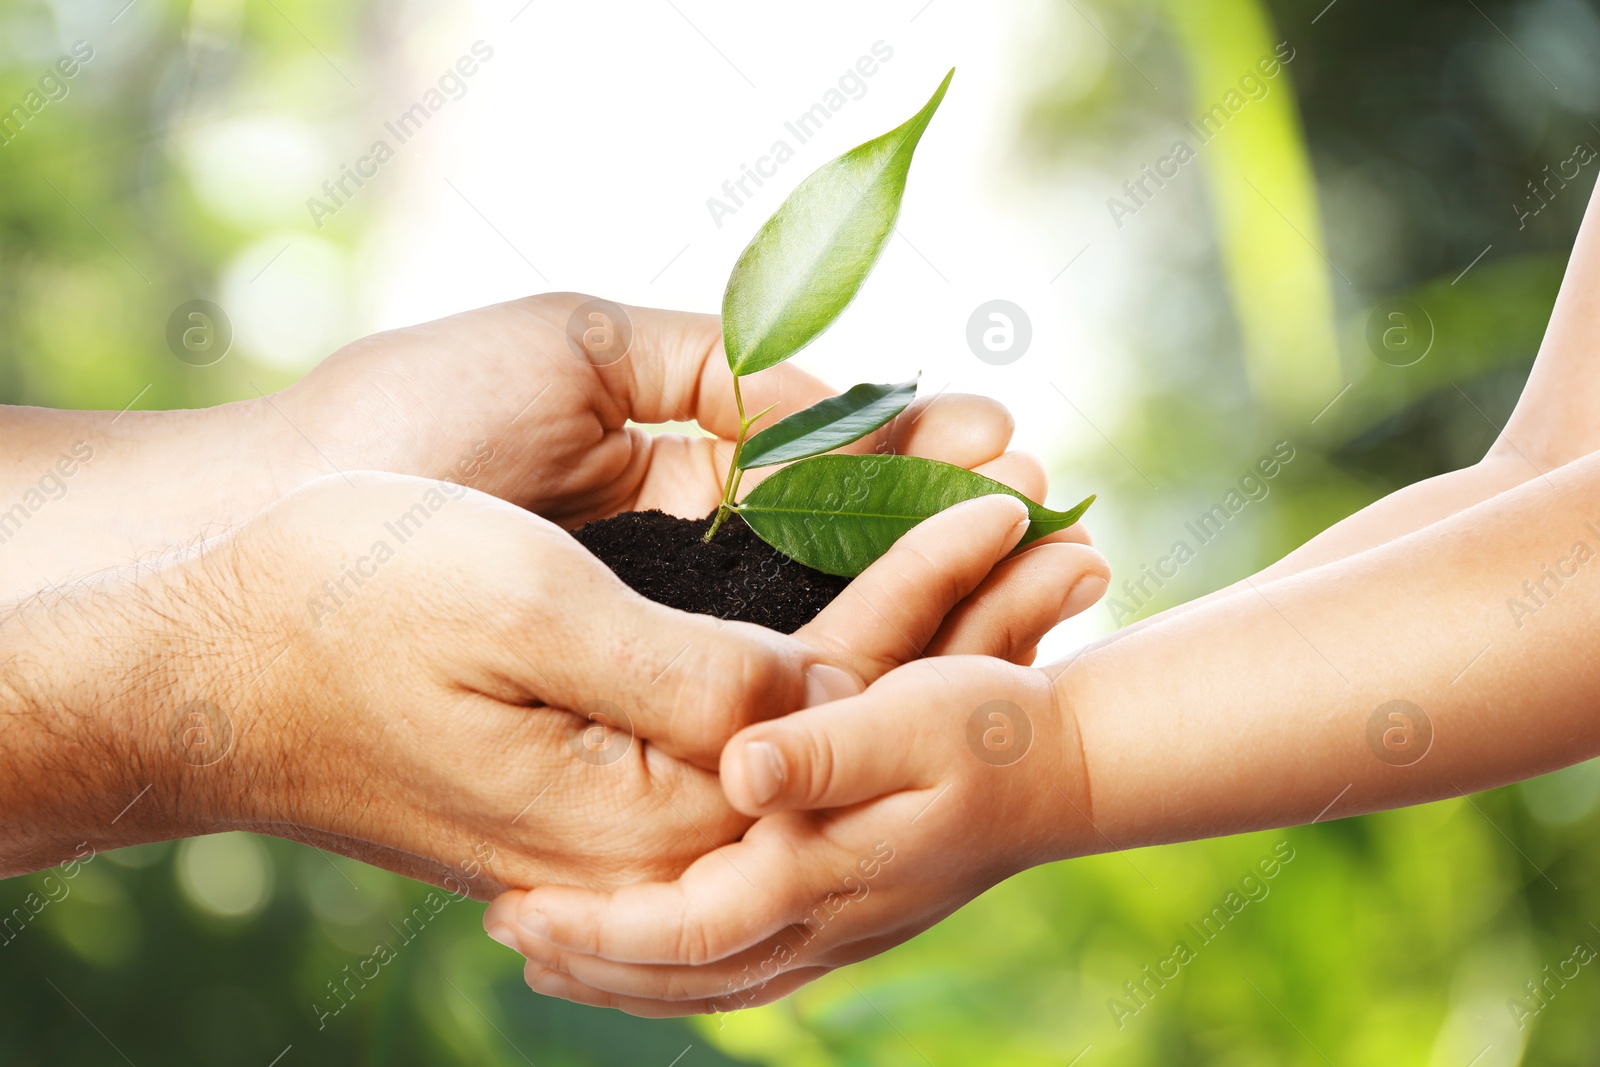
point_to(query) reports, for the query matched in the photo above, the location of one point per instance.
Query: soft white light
(228, 875)
(585, 153)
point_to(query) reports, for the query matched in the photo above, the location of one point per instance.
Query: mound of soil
(737, 576)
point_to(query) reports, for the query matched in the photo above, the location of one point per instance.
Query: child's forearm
(1553, 424)
(1400, 513)
(1267, 707)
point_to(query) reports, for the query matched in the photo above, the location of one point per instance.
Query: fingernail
(1087, 591)
(502, 933)
(825, 683)
(764, 771)
(535, 922)
(552, 984)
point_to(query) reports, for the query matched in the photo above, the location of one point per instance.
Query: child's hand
(944, 778)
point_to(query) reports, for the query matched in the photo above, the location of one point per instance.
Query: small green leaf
(838, 514)
(808, 261)
(827, 424)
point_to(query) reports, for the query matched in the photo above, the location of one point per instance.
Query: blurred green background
(1386, 161)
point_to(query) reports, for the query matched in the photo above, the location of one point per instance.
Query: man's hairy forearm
(107, 726)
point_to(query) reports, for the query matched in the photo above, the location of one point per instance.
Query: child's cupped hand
(880, 814)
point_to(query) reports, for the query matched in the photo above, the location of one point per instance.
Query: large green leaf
(827, 424)
(808, 261)
(839, 513)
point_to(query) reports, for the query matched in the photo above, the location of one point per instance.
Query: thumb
(669, 366)
(908, 731)
(685, 682)
(828, 756)
(890, 612)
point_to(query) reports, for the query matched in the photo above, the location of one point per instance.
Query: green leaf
(827, 424)
(808, 261)
(840, 513)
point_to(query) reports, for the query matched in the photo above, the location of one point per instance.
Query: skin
(427, 707)
(1267, 710)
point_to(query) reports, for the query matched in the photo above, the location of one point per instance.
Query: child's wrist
(1075, 833)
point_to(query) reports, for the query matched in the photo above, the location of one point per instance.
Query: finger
(1021, 600)
(725, 902)
(828, 756)
(838, 930)
(500, 919)
(1077, 534)
(881, 742)
(686, 681)
(1023, 472)
(865, 914)
(788, 950)
(553, 984)
(674, 368)
(1020, 471)
(953, 427)
(890, 612)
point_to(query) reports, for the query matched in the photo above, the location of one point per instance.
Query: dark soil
(737, 576)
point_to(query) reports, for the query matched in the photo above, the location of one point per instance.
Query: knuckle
(1027, 475)
(928, 576)
(694, 943)
(989, 410)
(917, 573)
(739, 682)
(817, 766)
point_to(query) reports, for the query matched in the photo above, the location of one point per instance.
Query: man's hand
(547, 387)
(879, 816)
(430, 679)
(537, 402)
(526, 401)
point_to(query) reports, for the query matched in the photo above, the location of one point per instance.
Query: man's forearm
(81, 491)
(64, 754)
(1272, 706)
(112, 729)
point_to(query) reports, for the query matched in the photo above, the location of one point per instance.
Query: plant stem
(731, 485)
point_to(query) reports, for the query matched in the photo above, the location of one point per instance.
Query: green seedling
(835, 513)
